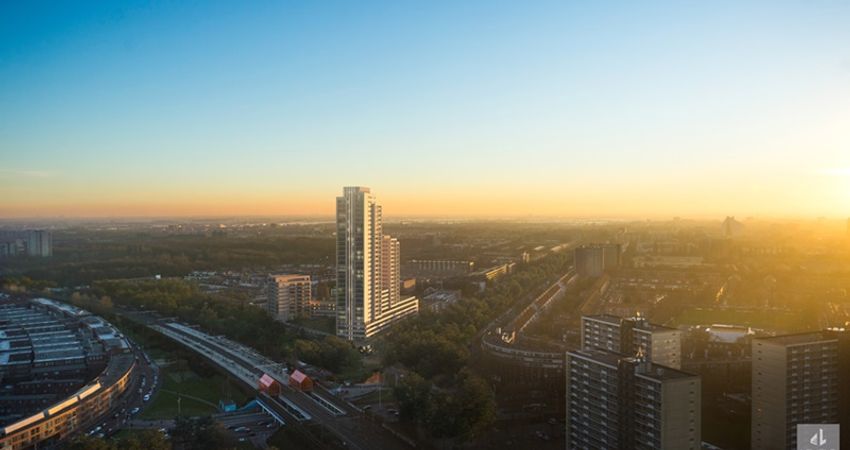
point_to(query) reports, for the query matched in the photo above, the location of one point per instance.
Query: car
(146, 397)
(242, 439)
(271, 425)
(134, 410)
(241, 429)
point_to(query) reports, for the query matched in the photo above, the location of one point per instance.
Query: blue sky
(444, 108)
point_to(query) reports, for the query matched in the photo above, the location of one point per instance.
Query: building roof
(642, 324)
(298, 376)
(644, 368)
(266, 380)
(806, 338)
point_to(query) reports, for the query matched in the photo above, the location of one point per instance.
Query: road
(344, 421)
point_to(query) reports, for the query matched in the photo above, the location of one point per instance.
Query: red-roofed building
(300, 381)
(269, 385)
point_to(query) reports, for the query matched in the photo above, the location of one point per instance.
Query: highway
(344, 421)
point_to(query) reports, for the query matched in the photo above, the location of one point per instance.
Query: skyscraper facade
(368, 268)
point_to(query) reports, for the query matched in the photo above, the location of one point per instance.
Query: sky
(449, 109)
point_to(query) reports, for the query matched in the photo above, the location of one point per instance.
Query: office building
(592, 260)
(368, 269)
(622, 402)
(289, 296)
(799, 379)
(630, 335)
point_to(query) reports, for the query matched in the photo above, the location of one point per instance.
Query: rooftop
(640, 322)
(642, 368)
(807, 337)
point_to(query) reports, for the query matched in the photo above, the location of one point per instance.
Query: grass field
(769, 320)
(178, 376)
(186, 382)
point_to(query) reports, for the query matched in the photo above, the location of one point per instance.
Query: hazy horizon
(479, 109)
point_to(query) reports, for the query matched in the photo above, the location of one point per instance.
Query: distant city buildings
(439, 299)
(615, 401)
(289, 296)
(368, 269)
(799, 379)
(731, 227)
(632, 335)
(592, 260)
(495, 272)
(442, 268)
(26, 243)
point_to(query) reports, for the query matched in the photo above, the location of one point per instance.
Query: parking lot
(253, 427)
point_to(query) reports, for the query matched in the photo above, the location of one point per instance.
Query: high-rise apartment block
(628, 336)
(619, 402)
(368, 268)
(28, 242)
(289, 296)
(592, 260)
(799, 379)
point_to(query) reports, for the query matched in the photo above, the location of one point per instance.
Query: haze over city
(394, 225)
(480, 109)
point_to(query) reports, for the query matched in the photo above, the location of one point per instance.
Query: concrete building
(440, 268)
(592, 260)
(628, 336)
(289, 296)
(630, 403)
(799, 379)
(367, 299)
(26, 242)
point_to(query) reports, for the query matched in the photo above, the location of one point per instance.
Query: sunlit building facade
(629, 402)
(799, 379)
(630, 335)
(368, 269)
(289, 296)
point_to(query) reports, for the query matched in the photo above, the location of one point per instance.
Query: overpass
(344, 421)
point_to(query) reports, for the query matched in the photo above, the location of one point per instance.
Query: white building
(368, 269)
(288, 296)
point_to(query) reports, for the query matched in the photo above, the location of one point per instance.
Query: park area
(199, 396)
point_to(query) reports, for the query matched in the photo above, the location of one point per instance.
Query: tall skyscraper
(799, 379)
(630, 335)
(288, 296)
(368, 268)
(618, 402)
